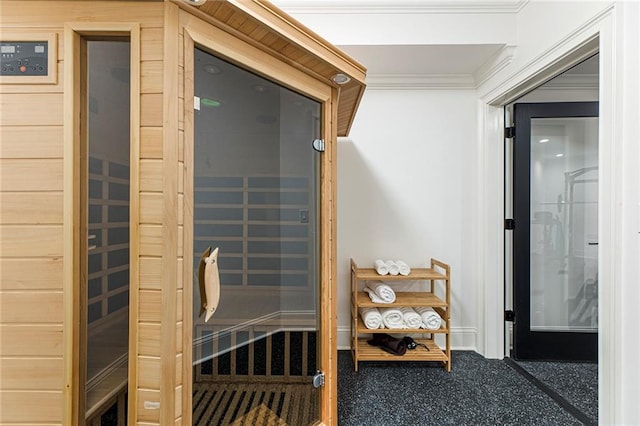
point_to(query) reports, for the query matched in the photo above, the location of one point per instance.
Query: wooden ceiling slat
(262, 25)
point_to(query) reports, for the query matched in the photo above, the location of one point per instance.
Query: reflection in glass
(564, 224)
(256, 199)
(108, 70)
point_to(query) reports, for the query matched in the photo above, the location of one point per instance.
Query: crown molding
(490, 68)
(420, 81)
(399, 7)
(572, 82)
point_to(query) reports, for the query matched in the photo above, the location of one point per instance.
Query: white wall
(543, 33)
(405, 175)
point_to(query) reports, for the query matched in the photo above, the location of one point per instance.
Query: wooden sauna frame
(40, 352)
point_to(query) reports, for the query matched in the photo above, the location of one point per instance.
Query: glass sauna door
(256, 199)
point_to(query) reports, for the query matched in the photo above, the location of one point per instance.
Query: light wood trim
(74, 173)
(72, 406)
(328, 326)
(228, 47)
(134, 225)
(291, 29)
(51, 38)
(188, 210)
(170, 115)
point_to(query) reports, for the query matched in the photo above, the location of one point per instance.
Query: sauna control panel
(24, 58)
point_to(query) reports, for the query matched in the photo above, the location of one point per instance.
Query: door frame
(597, 36)
(546, 345)
(201, 34)
(74, 244)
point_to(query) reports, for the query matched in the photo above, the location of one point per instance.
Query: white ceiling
(422, 59)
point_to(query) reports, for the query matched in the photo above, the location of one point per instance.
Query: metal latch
(318, 145)
(318, 379)
(509, 315)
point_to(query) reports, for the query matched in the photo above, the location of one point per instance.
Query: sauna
(137, 137)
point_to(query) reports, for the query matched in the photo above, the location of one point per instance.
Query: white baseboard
(462, 338)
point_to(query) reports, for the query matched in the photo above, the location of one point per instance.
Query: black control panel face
(24, 57)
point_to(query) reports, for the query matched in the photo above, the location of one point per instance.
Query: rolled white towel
(392, 317)
(381, 267)
(371, 317)
(430, 318)
(403, 268)
(393, 268)
(380, 292)
(411, 318)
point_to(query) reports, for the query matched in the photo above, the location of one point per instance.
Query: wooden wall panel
(30, 174)
(31, 142)
(31, 207)
(33, 241)
(151, 143)
(151, 39)
(29, 109)
(21, 274)
(149, 344)
(150, 273)
(151, 240)
(150, 176)
(151, 214)
(151, 77)
(31, 202)
(151, 110)
(28, 307)
(28, 340)
(149, 372)
(148, 417)
(31, 373)
(20, 407)
(150, 306)
(18, 13)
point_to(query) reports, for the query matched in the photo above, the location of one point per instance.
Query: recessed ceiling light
(260, 88)
(543, 140)
(211, 69)
(340, 78)
(196, 2)
(559, 155)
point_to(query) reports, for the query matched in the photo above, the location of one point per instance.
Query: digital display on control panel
(24, 57)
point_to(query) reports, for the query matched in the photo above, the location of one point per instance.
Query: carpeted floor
(575, 382)
(477, 391)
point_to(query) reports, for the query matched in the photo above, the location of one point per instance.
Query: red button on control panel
(23, 69)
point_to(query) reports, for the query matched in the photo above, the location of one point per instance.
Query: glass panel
(256, 200)
(564, 224)
(108, 71)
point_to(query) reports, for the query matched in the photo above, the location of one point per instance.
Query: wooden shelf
(408, 298)
(370, 274)
(363, 329)
(439, 273)
(366, 352)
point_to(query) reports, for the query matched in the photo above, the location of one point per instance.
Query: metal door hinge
(318, 379)
(509, 224)
(318, 145)
(509, 132)
(509, 315)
